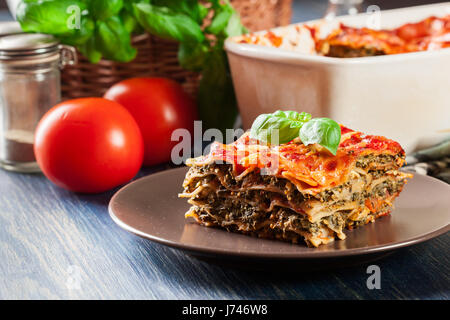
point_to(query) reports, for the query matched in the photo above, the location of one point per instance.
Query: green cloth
(433, 161)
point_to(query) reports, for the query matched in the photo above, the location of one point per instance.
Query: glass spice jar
(29, 86)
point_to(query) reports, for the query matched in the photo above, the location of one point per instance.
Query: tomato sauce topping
(311, 165)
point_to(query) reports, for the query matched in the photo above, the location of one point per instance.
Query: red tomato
(88, 145)
(159, 106)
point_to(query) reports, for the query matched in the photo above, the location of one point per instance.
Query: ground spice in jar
(17, 146)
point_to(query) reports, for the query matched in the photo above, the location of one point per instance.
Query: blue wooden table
(60, 245)
(55, 244)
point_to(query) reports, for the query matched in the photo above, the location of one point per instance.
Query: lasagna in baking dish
(310, 194)
(347, 42)
(432, 33)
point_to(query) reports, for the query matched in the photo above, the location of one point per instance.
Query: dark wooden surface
(55, 244)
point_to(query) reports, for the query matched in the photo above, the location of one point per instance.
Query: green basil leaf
(284, 124)
(293, 116)
(89, 50)
(168, 24)
(86, 32)
(128, 4)
(323, 131)
(216, 98)
(234, 26)
(215, 4)
(288, 125)
(202, 12)
(220, 20)
(114, 41)
(129, 22)
(105, 9)
(192, 55)
(51, 17)
(191, 8)
(128, 19)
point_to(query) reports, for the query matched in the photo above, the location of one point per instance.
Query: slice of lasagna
(292, 191)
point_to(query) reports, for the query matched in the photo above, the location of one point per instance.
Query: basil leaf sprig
(98, 28)
(284, 123)
(323, 131)
(284, 126)
(104, 29)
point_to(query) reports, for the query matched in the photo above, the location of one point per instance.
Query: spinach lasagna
(344, 41)
(309, 194)
(348, 42)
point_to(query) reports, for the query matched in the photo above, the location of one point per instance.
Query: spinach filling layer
(251, 209)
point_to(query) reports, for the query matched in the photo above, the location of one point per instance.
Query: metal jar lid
(27, 45)
(25, 49)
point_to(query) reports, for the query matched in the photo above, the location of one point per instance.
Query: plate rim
(279, 255)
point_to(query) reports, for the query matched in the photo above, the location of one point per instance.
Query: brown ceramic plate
(150, 208)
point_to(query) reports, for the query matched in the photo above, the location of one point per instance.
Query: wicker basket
(158, 57)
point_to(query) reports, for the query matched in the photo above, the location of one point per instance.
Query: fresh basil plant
(284, 126)
(106, 26)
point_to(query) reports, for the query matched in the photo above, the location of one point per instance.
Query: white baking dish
(405, 97)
